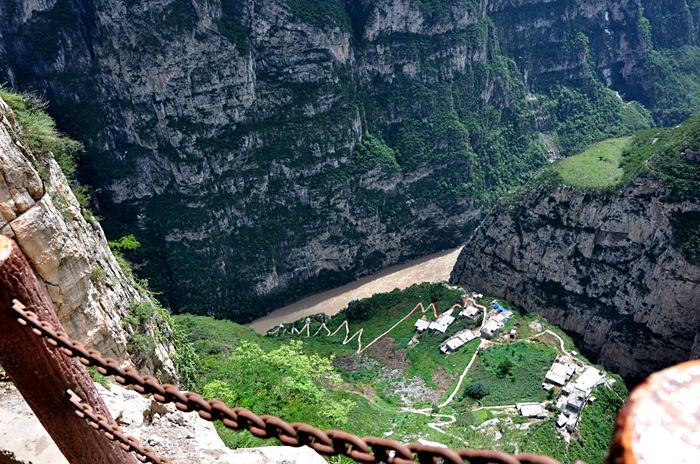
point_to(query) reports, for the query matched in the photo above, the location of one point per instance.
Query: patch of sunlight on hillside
(597, 167)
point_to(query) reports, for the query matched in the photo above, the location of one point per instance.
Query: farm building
(459, 340)
(576, 400)
(491, 329)
(442, 323)
(559, 373)
(422, 324)
(589, 379)
(562, 420)
(503, 316)
(470, 312)
(531, 410)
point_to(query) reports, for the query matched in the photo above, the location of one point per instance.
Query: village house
(576, 400)
(470, 312)
(589, 379)
(442, 323)
(491, 329)
(422, 325)
(559, 373)
(459, 340)
(503, 317)
(531, 410)
(562, 420)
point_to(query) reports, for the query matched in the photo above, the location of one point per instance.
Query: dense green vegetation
(39, 131)
(317, 379)
(675, 79)
(283, 382)
(320, 13)
(597, 167)
(589, 113)
(522, 381)
(221, 345)
(434, 9)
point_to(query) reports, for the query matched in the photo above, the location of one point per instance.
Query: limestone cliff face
(264, 150)
(69, 254)
(601, 266)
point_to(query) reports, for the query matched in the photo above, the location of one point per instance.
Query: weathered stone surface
(69, 254)
(601, 266)
(186, 438)
(219, 131)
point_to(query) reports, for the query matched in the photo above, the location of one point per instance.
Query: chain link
(101, 423)
(368, 450)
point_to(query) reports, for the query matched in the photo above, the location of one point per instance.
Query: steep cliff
(264, 151)
(69, 253)
(618, 268)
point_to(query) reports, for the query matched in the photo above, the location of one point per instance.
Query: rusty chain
(101, 423)
(367, 450)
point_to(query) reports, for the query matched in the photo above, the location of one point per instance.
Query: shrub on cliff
(40, 133)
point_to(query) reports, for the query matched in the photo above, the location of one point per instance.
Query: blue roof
(500, 308)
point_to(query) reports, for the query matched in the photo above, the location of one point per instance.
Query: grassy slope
(530, 364)
(376, 412)
(598, 166)
(610, 165)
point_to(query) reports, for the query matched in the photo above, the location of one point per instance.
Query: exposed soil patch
(385, 351)
(442, 380)
(354, 363)
(408, 391)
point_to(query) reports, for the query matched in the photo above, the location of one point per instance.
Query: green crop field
(529, 364)
(597, 167)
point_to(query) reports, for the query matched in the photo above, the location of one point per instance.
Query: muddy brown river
(432, 268)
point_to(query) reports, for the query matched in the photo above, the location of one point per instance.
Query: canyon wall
(262, 151)
(619, 270)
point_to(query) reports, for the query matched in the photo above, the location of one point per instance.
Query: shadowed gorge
(236, 140)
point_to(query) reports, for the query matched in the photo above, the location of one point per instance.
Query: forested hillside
(263, 153)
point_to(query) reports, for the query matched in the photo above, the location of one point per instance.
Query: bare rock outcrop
(69, 254)
(602, 266)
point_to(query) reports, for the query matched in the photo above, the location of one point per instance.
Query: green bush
(477, 390)
(39, 131)
(283, 382)
(505, 367)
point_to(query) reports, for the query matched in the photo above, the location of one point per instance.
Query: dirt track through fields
(433, 268)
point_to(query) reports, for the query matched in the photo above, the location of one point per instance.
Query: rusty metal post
(661, 421)
(42, 374)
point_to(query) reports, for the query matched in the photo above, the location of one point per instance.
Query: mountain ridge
(616, 266)
(235, 141)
